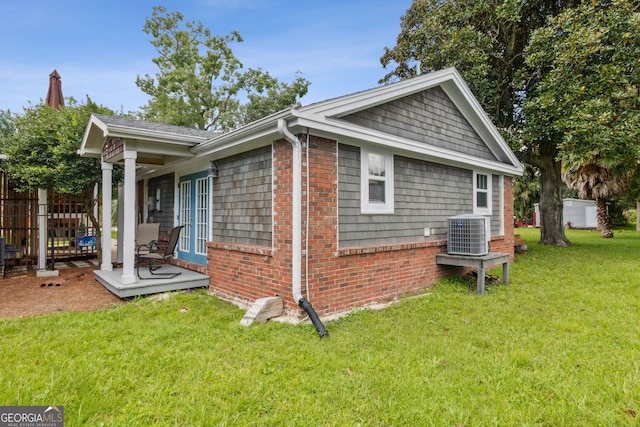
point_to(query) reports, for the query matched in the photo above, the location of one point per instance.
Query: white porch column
(120, 222)
(42, 229)
(129, 210)
(107, 172)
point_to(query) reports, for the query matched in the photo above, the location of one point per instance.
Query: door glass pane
(185, 215)
(201, 215)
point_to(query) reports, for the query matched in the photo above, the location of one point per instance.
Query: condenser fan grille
(468, 235)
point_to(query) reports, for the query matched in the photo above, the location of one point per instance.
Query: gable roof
(154, 139)
(326, 119)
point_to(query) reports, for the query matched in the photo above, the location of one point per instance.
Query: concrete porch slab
(112, 280)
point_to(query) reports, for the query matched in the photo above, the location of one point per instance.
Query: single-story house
(342, 202)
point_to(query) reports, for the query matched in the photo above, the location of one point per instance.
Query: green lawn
(560, 346)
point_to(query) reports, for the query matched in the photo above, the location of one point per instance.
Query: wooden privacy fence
(69, 235)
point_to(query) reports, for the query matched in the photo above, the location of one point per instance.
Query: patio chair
(160, 255)
(147, 236)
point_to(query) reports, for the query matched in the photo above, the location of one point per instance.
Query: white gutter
(296, 221)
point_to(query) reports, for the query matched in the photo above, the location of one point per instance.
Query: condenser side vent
(468, 235)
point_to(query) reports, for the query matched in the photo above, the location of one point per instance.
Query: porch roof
(155, 143)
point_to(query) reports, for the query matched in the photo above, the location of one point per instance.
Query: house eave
(451, 83)
(349, 133)
(245, 138)
(156, 141)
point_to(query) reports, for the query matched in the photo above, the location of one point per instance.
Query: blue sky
(99, 47)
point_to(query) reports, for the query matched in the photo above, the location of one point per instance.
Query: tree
(485, 41)
(200, 82)
(528, 191)
(585, 65)
(40, 149)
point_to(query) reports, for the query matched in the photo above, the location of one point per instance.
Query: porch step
(112, 280)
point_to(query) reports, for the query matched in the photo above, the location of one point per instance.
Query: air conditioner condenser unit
(468, 234)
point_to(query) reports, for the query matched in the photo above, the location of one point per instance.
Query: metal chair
(156, 254)
(147, 236)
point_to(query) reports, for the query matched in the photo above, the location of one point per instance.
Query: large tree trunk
(638, 215)
(604, 220)
(551, 222)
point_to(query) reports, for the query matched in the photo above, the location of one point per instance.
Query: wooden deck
(112, 280)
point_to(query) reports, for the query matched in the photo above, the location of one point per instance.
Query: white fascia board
(146, 147)
(127, 132)
(90, 152)
(358, 101)
(250, 134)
(93, 138)
(449, 80)
(471, 109)
(344, 131)
(97, 132)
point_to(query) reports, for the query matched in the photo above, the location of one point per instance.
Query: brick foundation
(337, 279)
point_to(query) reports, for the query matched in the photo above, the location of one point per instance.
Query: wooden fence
(69, 232)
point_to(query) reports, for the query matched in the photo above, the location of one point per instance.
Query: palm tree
(598, 182)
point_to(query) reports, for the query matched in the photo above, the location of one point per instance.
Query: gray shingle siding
(165, 215)
(241, 199)
(495, 209)
(429, 117)
(426, 194)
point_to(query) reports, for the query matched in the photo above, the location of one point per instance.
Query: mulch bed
(75, 289)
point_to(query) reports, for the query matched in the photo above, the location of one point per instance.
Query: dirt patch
(75, 289)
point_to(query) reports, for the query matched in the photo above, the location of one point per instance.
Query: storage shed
(576, 213)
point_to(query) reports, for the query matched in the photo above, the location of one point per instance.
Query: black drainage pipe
(306, 306)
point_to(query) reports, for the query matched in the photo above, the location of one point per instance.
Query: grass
(560, 346)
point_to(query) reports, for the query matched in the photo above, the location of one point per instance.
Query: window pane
(376, 165)
(481, 182)
(481, 200)
(376, 191)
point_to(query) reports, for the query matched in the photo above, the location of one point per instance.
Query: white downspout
(296, 220)
(296, 223)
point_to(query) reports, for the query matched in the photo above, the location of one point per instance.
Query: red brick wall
(505, 244)
(338, 280)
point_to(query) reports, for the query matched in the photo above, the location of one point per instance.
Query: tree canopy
(586, 67)
(41, 146)
(201, 83)
(500, 48)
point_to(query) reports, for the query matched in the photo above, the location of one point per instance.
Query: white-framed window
(376, 182)
(482, 193)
